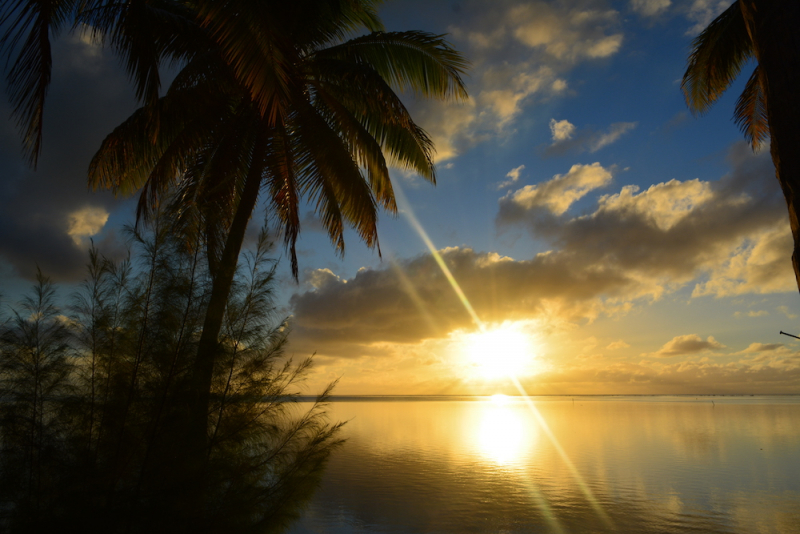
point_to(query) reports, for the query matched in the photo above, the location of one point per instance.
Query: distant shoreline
(426, 398)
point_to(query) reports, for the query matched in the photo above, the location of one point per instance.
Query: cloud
(569, 139)
(763, 347)
(46, 214)
(513, 176)
(561, 130)
(618, 345)
(777, 374)
(560, 192)
(521, 54)
(634, 247)
(688, 344)
(649, 8)
(568, 34)
(702, 12)
(730, 236)
(86, 222)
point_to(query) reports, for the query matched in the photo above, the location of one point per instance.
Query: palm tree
(764, 30)
(273, 102)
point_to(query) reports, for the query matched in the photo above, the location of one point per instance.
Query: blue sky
(579, 206)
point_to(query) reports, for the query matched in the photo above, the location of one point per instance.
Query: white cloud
(757, 265)
(569, 34)
(567, 138)
(728, 237)
(561, 130)
(650, 8)
(513, 176)
(664, 204)
(86, 222)
(521, 54)
(561, 191)
(615, 131)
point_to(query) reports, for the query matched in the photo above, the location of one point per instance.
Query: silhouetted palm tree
(276, 101)
(764, 30)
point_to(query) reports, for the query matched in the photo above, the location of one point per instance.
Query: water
(595, 464)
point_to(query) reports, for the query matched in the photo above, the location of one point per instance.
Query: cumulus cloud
(513, 177)
(561, 130)
(569, 139)
(649, 8)
(560, 192)
(635, 245)
(729, 236)
(86, 222)
(521, 53)
(567, 34)
(688, 344)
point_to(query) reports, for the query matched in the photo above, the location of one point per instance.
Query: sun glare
(499, 353)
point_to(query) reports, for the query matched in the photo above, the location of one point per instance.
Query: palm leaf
(419, 62)
(717, 57)
(751, 110)
(29, 24)
(143, 33)
(330, 177)
(370, 99)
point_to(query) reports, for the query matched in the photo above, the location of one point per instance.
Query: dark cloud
(634, 245)
(674, 230)
(688, 344)
(764, 347)
(89, 96)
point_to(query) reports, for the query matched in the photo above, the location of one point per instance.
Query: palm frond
(282, 179)
(361, 144)
(751, 110)
(331, 178)
(29, 25)
(143, 33)
(420, 62)
(717, 57)
(370, 99)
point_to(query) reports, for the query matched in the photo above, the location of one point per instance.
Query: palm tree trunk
(773, 28)
(202, 372)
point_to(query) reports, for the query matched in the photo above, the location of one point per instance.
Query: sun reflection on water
(504, 434)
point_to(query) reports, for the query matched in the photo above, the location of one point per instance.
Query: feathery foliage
(718, 55)
(92, 415)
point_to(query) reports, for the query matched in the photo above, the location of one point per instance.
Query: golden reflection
(504, 434)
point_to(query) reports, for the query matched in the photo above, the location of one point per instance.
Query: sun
(499, 352)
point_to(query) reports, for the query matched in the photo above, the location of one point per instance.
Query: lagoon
(711, 464)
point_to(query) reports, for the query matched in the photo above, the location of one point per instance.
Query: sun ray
(415, 224)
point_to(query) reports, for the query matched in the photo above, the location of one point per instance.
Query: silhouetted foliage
(93, 409)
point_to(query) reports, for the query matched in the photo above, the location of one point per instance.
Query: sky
(587, 234)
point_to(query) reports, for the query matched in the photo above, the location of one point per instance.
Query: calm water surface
(595, 464)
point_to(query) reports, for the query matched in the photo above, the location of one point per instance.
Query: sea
(595, 464)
